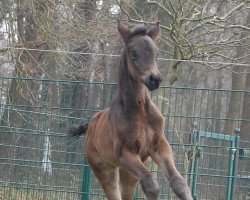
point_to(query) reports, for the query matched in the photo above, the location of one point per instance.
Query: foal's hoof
(189, 198)
(151, 188)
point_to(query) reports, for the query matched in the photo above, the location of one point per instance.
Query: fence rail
(40, 161)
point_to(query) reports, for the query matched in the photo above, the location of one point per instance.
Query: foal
(121, 138)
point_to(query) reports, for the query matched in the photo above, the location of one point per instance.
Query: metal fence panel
(40, 161)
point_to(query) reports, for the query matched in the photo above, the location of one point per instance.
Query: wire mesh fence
(40, 161)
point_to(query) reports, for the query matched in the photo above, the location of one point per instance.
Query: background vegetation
(43, 43)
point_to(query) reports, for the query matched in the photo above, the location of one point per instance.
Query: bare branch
(161, 6)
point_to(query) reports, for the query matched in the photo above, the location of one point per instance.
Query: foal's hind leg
(128, 184)
(107, 175)
(163, 156)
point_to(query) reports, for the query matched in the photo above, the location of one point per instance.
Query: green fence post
(191, 152)
(86, 181)
(233, 165)
(196, 163)
(230, 169)
(136, 195)
(236, 161)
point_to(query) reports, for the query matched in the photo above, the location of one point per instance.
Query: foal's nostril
(152, 78)
(153, 82)
(155, 79)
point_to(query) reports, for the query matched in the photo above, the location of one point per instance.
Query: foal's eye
(134, 54)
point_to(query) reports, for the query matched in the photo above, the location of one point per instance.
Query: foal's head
(141, 53)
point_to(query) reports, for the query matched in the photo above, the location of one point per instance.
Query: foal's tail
(80, 129)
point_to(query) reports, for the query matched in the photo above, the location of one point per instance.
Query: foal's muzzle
(153, 82)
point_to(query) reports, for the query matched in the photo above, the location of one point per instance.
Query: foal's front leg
(132, 163)
(128, 184)
(163, 156)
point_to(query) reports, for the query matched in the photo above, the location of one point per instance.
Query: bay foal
(121, 138)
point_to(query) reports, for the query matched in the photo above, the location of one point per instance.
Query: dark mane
(139, 30)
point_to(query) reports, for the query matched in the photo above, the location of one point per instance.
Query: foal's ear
(154, 31)
(124, 31)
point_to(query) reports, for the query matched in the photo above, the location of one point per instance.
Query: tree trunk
(24, 91)
(238, 83)
(245, 124)
(77, 95)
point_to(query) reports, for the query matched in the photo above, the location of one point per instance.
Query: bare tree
(238, 80)
(24, 91)
(190, 30)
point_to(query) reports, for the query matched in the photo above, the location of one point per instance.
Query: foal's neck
(130, 92)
